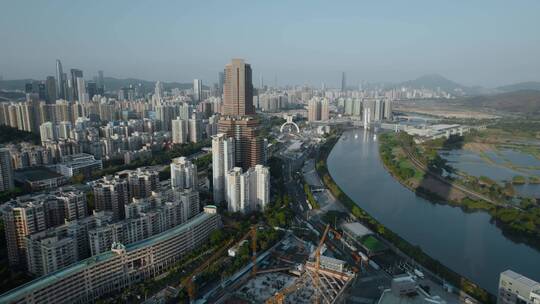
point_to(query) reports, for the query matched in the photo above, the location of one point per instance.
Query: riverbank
(520, 223)
(407, 248)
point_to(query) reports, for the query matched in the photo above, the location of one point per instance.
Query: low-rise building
(515, 288)
(35, 179)
(79, 164)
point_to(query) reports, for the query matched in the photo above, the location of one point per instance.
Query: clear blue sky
(476, 42)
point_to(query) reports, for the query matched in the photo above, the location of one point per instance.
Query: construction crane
(336, 233)
(317, 280)
(279, 297)
(189, 283)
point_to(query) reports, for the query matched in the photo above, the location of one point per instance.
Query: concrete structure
(145, 218)
(141, 182)
(179, 131)
(197, 90)
(123, 266)
(36, 179)
(195, 129)
(78, 164)
(436, 131)
(223, 160)
(30, 214)
(249, 147)
(48, 132)
(183, 174)
(249, 191)
(238, 89)
(6, 170)
(318, 109)
(515, 288)
(111, 193)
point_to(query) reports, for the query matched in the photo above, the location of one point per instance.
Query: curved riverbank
(469, 243)
(518, 224)
(407, 248)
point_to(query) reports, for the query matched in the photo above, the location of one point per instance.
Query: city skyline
(368, 41)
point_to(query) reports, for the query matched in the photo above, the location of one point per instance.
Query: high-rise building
(29, 214)
(179, 131)
(158, 91)
(50, 86)
(249, 147)
(100, 83)
(221, 80)
(318, 109)
(183, 174)
(378, 113)
(343, 82)
(223, 160)
(248, 191)
(91, 89)
(48, 131)
(238, 89)
(165, 113)
(60, 80)
(325, 111)
(142, 182)
(111, 193)
(75, 73)
(195, 129)
(81, 90)
(235, 190)
(6, 170)
(64, 129)
(314, 110)
(197, 90)
(515, 288)
(388, 110)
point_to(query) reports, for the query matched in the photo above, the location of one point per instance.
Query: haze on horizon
(487, 43)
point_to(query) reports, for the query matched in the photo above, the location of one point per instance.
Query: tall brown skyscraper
(238, 89)
(238, 119)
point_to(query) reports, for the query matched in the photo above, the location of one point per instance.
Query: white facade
(248, 191)
(47, 131)
(179, 131)
(114, 270)
(515, 288)
(222, 161)
(183, 174)
(195, 129)
(197, 90)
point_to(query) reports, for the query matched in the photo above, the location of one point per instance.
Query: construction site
(294, 271)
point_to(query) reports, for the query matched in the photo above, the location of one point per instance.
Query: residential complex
(120, 267)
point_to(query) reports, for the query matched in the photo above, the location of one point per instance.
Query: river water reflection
(465, 242)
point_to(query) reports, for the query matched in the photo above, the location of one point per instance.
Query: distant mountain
(524, 101)
(111, 84)
(434, 81)
(530, 85)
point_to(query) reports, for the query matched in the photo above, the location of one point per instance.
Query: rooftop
(521, 279)
(356, 228)
(36, 174)
(44, 281)
(388, 297)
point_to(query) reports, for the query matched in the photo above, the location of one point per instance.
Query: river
(468, 243)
